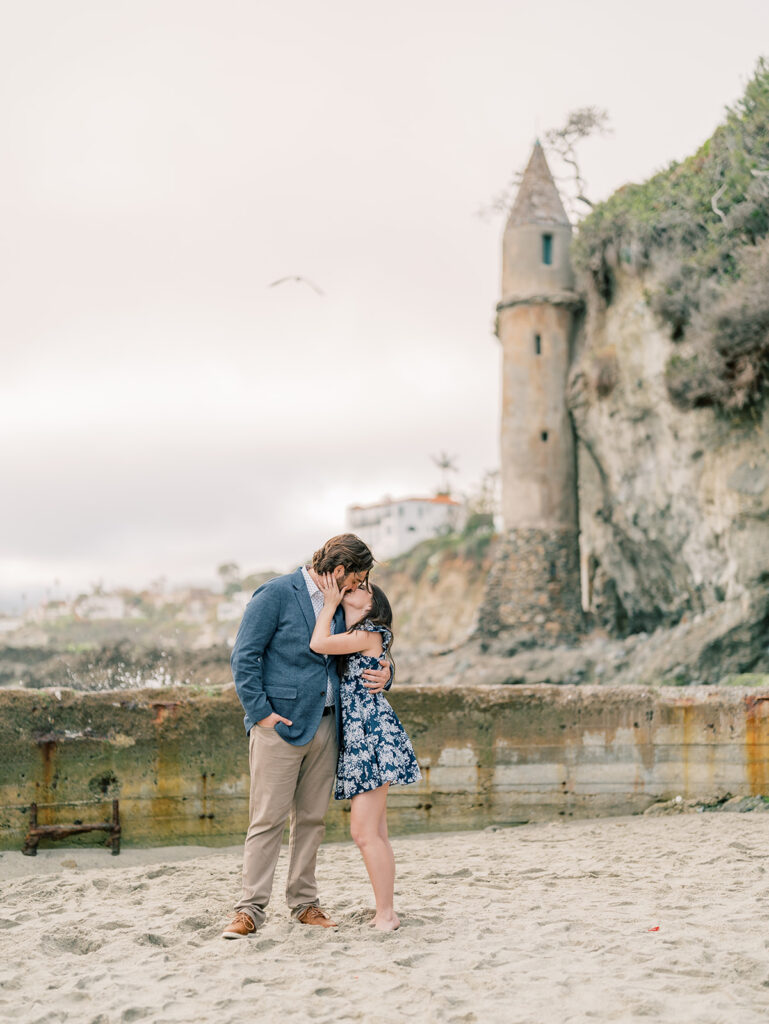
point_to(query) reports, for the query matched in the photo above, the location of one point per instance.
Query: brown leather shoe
(314, 915)
(241, 926)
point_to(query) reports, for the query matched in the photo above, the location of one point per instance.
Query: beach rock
(744, 804)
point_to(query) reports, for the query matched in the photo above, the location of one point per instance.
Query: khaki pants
(293, 781)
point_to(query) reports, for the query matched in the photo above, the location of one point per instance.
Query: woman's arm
(344, 643)
(322, 631)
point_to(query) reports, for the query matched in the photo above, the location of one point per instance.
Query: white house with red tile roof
(392, 526)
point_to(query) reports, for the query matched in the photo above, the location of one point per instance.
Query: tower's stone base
(533, 591)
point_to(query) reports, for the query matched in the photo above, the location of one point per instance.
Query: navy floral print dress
(375, 746)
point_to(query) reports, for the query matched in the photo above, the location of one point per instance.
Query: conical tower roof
(538, 201)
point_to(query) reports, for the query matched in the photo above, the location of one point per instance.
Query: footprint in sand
(69, 942)
(195, 924)
(150, 939)
(422, 919)
(359, 917)
(167, 869)
(135, 1013)
(410, 961)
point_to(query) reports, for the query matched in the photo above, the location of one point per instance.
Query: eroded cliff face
(435, 601)
(673, 505)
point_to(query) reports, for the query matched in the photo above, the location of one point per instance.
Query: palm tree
(447, 464)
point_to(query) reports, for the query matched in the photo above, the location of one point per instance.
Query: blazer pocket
(286, 692)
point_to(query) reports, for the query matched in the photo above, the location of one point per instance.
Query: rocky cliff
(667, 392)
(674, 504)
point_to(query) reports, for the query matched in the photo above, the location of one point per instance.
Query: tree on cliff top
(560, 143)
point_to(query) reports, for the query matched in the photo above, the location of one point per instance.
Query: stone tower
(533, 591)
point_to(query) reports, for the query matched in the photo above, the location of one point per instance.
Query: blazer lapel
(339, 623)
(300, 589)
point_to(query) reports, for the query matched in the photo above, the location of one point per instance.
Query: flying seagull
(301, 280)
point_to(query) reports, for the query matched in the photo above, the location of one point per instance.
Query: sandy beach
(536, 924)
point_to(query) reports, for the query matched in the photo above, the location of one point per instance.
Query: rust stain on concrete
(46, 788)
(163, 710)
(757, 744)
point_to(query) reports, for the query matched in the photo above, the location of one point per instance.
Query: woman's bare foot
(385, 923)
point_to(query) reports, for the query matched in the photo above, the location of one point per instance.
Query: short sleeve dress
(375, 747)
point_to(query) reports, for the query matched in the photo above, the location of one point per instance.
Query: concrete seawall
(177, 759)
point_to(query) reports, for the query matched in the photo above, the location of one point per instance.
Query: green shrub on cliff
(702, 226)
(471, 544)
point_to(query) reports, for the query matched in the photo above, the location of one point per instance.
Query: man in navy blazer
(290, 696)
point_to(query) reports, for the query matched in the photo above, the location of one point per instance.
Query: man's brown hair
(347, 550)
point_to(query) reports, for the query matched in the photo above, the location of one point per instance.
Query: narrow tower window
(547, 249)
(544, 435)
(538, 344)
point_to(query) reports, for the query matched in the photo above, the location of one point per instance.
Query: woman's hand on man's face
(329, 587)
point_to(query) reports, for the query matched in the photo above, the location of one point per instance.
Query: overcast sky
(162, 409)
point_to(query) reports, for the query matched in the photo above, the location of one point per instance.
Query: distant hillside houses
(232, 609)
(392, 526)
(101, 606)
(49, 611)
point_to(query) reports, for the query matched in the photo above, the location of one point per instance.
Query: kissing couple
(310, 665)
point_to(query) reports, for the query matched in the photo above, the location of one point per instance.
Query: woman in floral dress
(376, 751)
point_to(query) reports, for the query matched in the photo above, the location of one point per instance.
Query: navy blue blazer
(273, 666)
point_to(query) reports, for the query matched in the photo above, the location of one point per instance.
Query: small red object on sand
(656, 928)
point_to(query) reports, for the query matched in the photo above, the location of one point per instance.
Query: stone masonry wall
(533, 593)
(490, 754)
